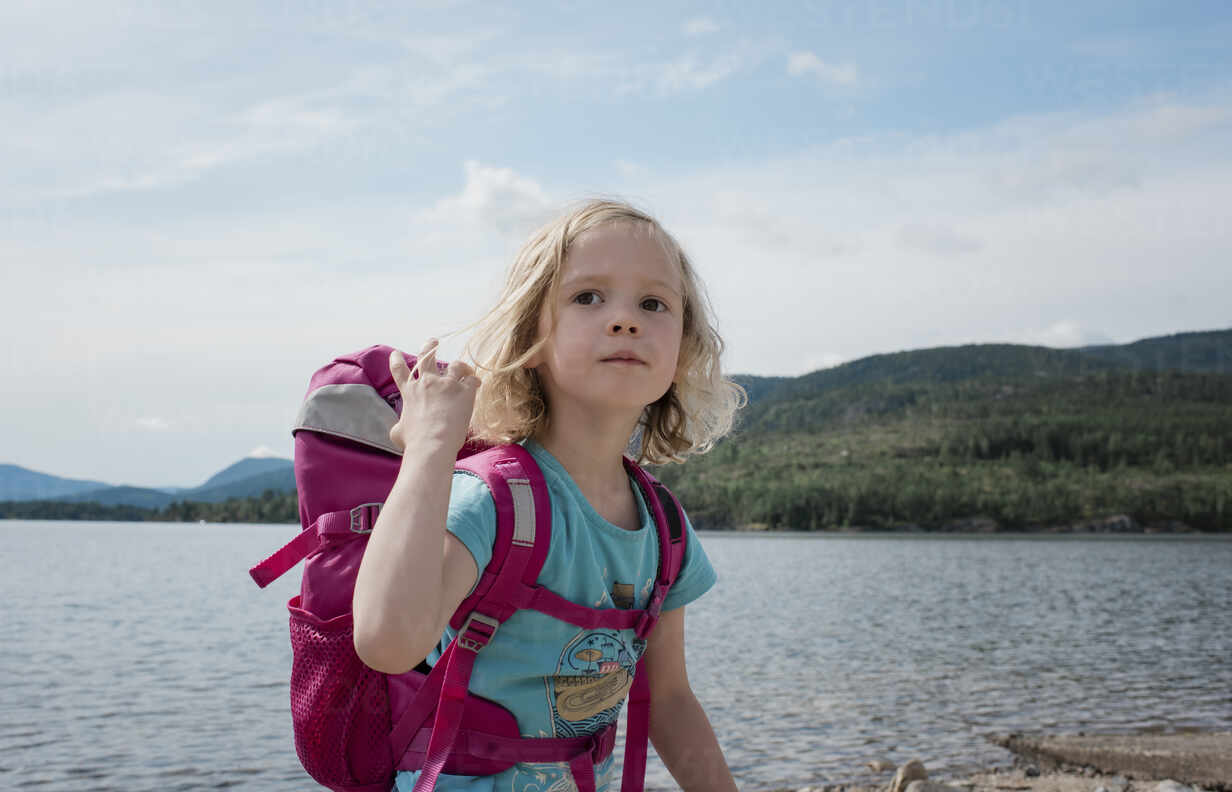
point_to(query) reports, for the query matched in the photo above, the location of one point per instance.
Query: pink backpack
(356, 727)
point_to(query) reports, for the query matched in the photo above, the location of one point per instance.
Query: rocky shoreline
(1192, 762)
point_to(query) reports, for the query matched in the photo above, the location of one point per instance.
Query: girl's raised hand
(436, 406)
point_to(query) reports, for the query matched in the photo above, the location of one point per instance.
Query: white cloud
(801, 63)
(263, 452)
(153, 424)
(494, 198)
(700, 26)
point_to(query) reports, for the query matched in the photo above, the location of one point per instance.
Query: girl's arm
(414, 574)
(679, 729)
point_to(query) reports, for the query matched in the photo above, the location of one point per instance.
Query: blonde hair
(695, 411)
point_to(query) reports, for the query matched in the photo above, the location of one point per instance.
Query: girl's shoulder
(468, 485)
(472, 515)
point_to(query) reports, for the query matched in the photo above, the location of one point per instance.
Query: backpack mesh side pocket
(339, 706)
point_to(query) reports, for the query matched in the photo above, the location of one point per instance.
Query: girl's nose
(619, 327)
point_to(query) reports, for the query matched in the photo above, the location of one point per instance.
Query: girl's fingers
(462, 372)
(425, 365)
(398, 368)
(427, 358)
(402, 374)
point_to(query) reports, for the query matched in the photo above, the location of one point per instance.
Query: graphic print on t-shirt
(622, 595)
(593, 675)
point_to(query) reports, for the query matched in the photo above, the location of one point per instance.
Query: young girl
(602, 333)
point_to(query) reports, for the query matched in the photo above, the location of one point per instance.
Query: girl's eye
(587, 298)
(653, 304)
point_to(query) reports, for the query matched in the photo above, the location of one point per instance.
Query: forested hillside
(1001, 452)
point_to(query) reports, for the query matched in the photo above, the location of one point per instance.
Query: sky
(201, 204)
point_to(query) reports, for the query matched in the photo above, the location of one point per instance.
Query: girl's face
(618, 322)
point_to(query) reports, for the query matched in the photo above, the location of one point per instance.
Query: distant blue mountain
(279, 478)
(245, 469)
(19, 483)
(250, 476)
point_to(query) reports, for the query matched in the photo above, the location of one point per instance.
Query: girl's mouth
(623, 357)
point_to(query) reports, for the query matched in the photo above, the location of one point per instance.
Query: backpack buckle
(602, 744)
(363, 517)
(650, 616)
(477, 631)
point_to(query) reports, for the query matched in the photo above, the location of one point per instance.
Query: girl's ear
(544, 325)
(682, 366)
(535, 360)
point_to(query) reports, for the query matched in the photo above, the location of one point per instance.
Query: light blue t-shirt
(560, 680)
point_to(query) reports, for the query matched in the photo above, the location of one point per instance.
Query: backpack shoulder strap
(673, 538)
(523, 530)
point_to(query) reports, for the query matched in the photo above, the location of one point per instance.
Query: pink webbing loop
(285, 557)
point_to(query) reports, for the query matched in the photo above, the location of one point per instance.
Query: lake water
(141, 657)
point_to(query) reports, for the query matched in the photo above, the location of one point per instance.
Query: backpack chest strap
(548, 602)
